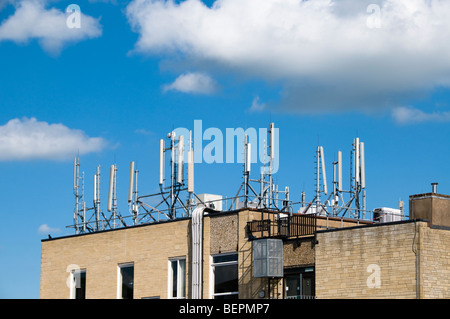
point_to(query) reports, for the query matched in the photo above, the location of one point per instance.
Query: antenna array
(261, 193)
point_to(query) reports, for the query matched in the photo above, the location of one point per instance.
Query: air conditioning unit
(386, 215)
(211, 201)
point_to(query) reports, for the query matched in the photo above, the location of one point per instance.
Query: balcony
(276, 225)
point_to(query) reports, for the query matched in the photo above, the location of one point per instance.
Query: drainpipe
(416, 249)
(197, 252)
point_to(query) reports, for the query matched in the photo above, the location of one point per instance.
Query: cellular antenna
(357, 167)
(324, 174)
(248, 155)
(180, 159)
(272, 144)
(112, 173)
(339, 171)
(190, 166)
(161, 162)
(131, 182)
(363, 165)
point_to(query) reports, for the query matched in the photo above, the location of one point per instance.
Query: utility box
(267, 258)
(211, 201)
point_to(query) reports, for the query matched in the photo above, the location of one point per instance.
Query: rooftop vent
(434, 187)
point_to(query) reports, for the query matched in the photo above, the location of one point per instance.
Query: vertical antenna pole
(76, 172)
(172, 174)
(247, 164)
(335, 197)
(271, 161)
(97, 198)
(131, 181)
(83, 203)
(303, 199)
(115, 196)
(339, 171)
(317, 178)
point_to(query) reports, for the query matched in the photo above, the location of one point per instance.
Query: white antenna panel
(324, 175)
(112, 173)
(339, 171)
(95, 188)
(248, 157)
(363, 168)
(357, 160)
(161, 161)
(190, 171)
(180, 159)
(130, 185)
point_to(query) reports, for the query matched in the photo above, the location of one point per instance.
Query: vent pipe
(434, 186)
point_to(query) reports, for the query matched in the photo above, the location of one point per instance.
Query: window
(78, 284)
(177, 278)
(300, 283)
(125, 282)
(224, 271)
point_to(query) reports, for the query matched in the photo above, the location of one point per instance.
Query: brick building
(322, 257)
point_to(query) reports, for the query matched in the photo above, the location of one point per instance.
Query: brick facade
(394, 260)
(412, 260)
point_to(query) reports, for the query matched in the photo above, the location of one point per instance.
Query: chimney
(434, 185)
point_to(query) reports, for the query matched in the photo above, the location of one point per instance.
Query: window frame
(213, 266)
(181, 291)
(301, 273)
(73, 282)
(119, 278)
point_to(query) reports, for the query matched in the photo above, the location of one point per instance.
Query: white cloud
(45, 229)
(193, 83)
(32, 20)
(257, 106)
(409, 115)
(324, 52)
(28, 139)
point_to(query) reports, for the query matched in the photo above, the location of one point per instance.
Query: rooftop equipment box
(268, 258)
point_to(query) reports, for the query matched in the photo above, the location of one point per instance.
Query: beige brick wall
(249, 287)
(345, 259)
(435, 257)
(149, 247)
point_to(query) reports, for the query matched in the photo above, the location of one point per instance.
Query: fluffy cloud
(32, 20)
(328, 55)
(28, 139)
(198, 83)
(257, 106)
(409, 115)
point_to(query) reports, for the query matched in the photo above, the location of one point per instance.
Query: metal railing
(275, 226)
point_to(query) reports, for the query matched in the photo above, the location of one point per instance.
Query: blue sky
(136, 70)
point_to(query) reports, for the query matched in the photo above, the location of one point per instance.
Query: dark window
(79, 284)
(177, 277)
(300, 283)
(127, 281)
(225, 269)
